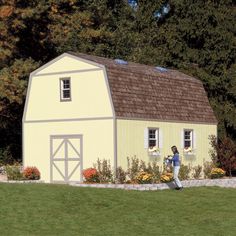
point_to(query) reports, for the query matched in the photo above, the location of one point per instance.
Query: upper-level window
(188, 139)
(65, 87)
(153, 138)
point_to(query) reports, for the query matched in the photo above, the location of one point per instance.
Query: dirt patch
(3, 177)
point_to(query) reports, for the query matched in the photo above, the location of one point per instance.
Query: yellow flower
(166, 177)
(144, 177)
(217, 172)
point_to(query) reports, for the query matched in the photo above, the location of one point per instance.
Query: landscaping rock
(229, 183)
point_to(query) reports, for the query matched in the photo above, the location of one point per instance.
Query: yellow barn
(80, 108)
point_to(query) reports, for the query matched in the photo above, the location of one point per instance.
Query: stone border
(22, 181)
(226, 182)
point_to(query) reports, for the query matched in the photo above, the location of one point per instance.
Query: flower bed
(16, 173)
(139, 172)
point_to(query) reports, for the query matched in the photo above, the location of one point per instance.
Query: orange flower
(31, 173)
(90, 174)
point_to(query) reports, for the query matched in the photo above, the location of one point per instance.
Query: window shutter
(182, 139)
(146, 138)
(194, 140)
(160, 139)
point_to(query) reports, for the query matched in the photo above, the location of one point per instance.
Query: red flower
(31, 173)
(90, 175)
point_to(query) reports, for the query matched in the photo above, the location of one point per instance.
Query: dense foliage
(196, 37)
(224, 153)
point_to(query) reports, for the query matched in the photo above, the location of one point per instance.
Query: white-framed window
(153, 141)
(189, 142)
(65, 89)
(188, 138)
(153, 137)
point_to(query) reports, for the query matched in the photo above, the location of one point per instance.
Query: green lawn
(40, 209)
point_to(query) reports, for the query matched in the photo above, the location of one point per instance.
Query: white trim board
(68, 72)
(68, 120)
(166, 121)
(35, 72)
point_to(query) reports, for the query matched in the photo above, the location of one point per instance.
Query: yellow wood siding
(66, 63)
(97, 142)
(88, 114)
(89, 94)
(130, 140)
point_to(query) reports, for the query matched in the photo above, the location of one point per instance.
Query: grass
(41, 209)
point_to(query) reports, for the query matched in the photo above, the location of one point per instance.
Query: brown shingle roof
(142, 92)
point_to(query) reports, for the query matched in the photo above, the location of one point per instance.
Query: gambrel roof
(144, 92)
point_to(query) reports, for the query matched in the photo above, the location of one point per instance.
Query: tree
(224, 153)
(12, 94)
(198, 37)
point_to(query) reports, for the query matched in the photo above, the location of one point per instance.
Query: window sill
(65, 100)
(189, 154)
(154, 154)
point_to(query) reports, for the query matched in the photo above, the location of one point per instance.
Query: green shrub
(197, 170)
(136, 166)
(120, 175)
(184, 172)
(142, 166)
(14, 172)
(133, 168)
(207, 167)
(154, 170)
(6, 156)
(104, 171)
(2, 170)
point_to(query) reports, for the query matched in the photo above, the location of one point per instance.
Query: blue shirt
(175, 159)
